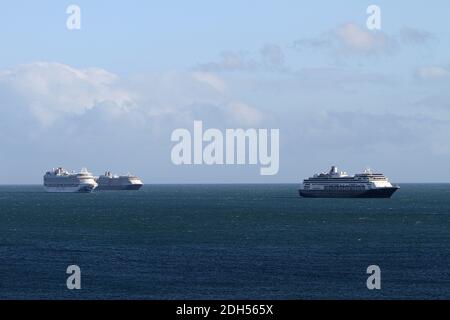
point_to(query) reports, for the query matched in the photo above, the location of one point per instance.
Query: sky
(108, 96)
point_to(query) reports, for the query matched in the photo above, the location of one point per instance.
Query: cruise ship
(60, 180)
(336, 184)
(109, 181)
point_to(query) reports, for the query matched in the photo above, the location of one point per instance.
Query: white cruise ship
(110, 181)
(336, 184)
(60, 180)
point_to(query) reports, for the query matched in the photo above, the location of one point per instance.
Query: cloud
(49, 91)
(124, 123)
(272, 56)
(412, 36)
(363, 131)
(315, 44)
(212, 80)
(354, 40)
(350, 39)
(230, 61)
(341, 77)
(245, 115)
(269, 58)
(54, 114)
(45, 95)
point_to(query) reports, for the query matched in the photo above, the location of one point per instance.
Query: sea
(228, 242)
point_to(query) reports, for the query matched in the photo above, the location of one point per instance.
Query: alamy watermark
(74, 19)
(374, 280)
(374, 20)
(235, 147)
(74, 280)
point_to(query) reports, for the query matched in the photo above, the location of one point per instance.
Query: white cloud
(244, 114)
(212, 80)
(359, 40)
(44, 95)
(54, 114)
(50, 91)
(125, 123)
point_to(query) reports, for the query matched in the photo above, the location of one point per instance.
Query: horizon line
(214, 183)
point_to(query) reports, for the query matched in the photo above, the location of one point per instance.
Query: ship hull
(131, 187)
(373, 193)
(78, 189)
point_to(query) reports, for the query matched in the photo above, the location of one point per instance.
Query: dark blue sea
(224, 242)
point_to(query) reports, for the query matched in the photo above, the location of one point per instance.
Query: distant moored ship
(109, 181)
(335, 184)
(60, 180)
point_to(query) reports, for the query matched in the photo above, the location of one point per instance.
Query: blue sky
(129, 36)
(339, 93)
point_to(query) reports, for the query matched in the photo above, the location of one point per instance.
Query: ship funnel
(334, 169)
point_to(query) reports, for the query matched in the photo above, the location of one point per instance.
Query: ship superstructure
(110, 181)
(60, 180)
